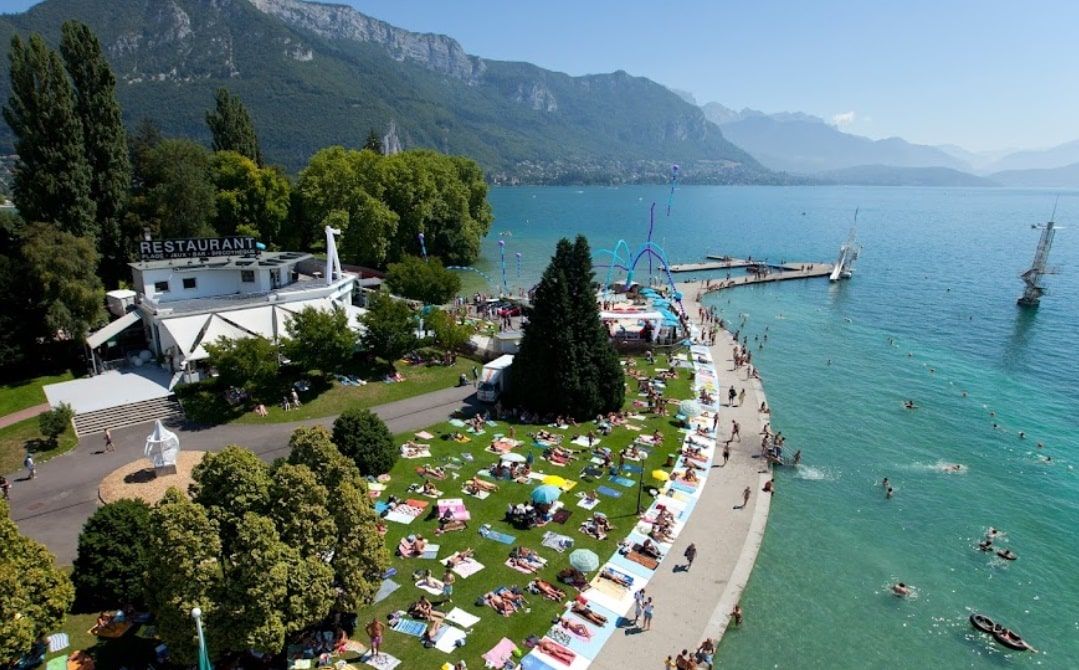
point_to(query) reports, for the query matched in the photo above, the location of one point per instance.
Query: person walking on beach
(745, 497)
(731, 395)
(735, 428)
(638, 605)
(741, 397)
(726, 453)
(108, 441)
(647, 611)
(691, 553)
(31, 469)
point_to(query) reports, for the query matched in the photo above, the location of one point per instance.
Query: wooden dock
(788, 271)
(714, 263)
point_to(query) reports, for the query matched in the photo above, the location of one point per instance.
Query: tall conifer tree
(104, 140)
(232, 127)
(52, 177)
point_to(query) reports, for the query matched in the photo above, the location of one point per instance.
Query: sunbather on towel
(588, 614)
(476, 485)
(459, 557)
(576, 628)
(616, 577)
(648, 548)
(438, 472)
(412, 449)
(590, 528)
(573, 577)
(557, 651)
(505, 603)
(448, 525)
(422, 609)
(413, 545)
(428, 489)
(661, 533)
(547, 590)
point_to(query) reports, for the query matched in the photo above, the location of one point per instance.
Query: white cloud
(843, 119)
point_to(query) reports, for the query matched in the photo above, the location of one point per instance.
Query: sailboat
(848, 253)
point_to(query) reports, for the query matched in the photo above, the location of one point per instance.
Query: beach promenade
(693, 605)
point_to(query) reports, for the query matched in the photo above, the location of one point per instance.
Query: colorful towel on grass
(58, 641)
(623, 481)
(457, 423)
(561, 516)
(526, 567)
(383, 661)
(558, 542)
(500, 653)
(462, 618)
(633, 469)
(588, 504)
(497, 536)
(388, 586)
(412, 627)
(447, 638)
(609, 492)
(465, 568)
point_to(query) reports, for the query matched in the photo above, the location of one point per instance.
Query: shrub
(361, 436)
(54, 422)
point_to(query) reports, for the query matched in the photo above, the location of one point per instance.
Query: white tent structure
(162, 448)
(217, 328)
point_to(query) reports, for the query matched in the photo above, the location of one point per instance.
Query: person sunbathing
(573, 577)
(422, 609)
(590, 497)
(448, 525)
(476, 485)
(657, 437)
(459, 557)
(689, 476)
(588, 614)
(437, 472)
(578, 629)
(412, 546)
(601, 522)
(590, 528)
(556, 651)
(500, 604)
(547, 590)
(661, 533)
(428, 580)
(648, 548)
(616, 577)
(428, 489)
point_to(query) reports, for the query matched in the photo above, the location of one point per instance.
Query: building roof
(303, 288)
(264, 259)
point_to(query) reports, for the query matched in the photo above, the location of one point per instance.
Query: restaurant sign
(196, 247)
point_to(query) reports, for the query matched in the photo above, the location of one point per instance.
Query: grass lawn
(621, 511)
(18, 437)
(205, 404)
(27, 392)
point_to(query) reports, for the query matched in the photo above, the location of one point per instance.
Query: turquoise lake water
(929, 314)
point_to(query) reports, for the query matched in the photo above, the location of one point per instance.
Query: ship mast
(1032, 277)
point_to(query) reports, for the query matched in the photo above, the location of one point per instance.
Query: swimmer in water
(884, 483)
(909, 404)
(889, 493)
(901, 590)
(1022, 435)
(986, 545)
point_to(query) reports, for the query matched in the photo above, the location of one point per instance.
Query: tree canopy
(248, 199)
(174, 196)
(565, 345)
(427, 281)
(363, 437)
(63, 273)
(320, 340)
(34, 594)
(250, 363)
(232, 128)
(389, 328)
(112, 561)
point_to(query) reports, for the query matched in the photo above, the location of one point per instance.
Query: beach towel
(424, 435)
(575, 663)
(462, 618)
(447, 637)
(500, 653)
(399, 516)
(383, 661)
(457, 423)
(679, 485)
(623, 481)
(58, 641)
(381, 507)
(646, 561)
(561, 516)
(609, 596)
(479, 495)
(432, 586)
(58, 663)
(630, 468)
(411, 452)
(533, 661)
(538, 476)
(640, 574)
(609, 492)
(497, 536)
(412, 627)
(529, 567)
(388, 586)
(582, 441)
(558, 542)
(588, 504)
(465, 568)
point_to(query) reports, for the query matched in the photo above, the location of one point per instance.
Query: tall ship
(848, 254)
(1033, 292)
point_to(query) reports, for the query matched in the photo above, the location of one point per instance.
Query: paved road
(53, 507)
(690, 606)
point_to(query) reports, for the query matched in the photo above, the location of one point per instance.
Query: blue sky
(983, 74)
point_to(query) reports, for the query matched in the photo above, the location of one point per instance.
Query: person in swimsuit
(374, 631)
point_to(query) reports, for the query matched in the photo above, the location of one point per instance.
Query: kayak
(983, 623)
(1011, 640)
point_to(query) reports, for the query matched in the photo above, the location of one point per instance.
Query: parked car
(509, 309)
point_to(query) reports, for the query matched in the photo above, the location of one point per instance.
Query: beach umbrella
(660, 475)
(689, 408)
(511, 457)
(584, 560)
(546, 494)
(555, 480)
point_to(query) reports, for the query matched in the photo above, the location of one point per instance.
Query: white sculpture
(162, 448)
(333, 263)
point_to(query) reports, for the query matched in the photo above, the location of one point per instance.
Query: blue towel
(533, 662)
(497, 536)
(635, 469)
(623, 481)
(684, 488)
(609, 492)
(384, 591)
(410, 627)
(381, 507)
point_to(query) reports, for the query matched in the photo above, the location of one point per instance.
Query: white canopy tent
(113, 329)
(217, 328)
(258, 321)
(184, 332)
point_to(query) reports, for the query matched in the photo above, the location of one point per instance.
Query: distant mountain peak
(439, 53)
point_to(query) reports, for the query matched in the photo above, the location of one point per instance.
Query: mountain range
(315, 74)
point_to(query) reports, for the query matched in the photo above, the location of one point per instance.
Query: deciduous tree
(232, 128)
(54, 422)
(250, 363)
(52, 178)
(427, 281)
(112, 560)
(248, 197)
(389, 328)
(63, 273)
(104, 142)
(320, 340)
(449, 334)
(364, 438)
(229, 484)
(174, 196)
(34, 594)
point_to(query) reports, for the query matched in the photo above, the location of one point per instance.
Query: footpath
(53, 507)
(695, 604)
(23, 414)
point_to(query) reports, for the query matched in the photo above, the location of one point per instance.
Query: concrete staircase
(167, 409)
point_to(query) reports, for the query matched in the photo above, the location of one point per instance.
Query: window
(190, 282)
(161, 287)
(247, 276)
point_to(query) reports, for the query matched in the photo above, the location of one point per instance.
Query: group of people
(692, 661)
